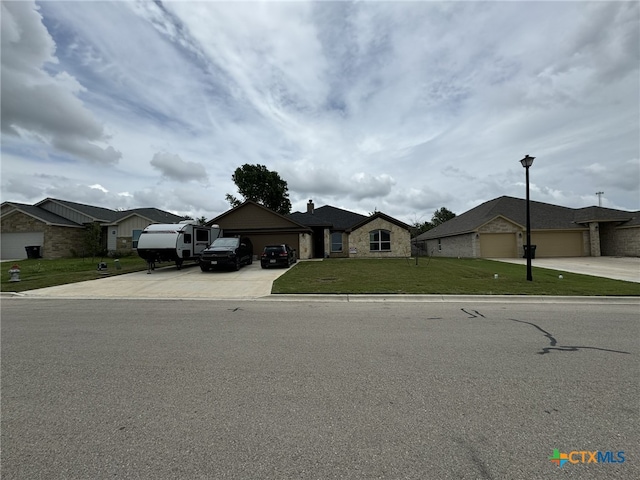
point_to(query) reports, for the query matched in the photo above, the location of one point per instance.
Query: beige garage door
(498, 245)
(557, 244)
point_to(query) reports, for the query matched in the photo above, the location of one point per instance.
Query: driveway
(618, 268)
(250, 281)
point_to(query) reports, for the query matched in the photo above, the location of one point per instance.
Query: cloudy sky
(400, 107)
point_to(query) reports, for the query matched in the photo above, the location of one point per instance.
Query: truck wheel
(236, 266)
(205, 268)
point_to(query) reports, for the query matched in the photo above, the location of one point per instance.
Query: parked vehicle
(278, 256)
(175, 242)
(227, 252)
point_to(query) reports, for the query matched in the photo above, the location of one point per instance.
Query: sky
(396, 107)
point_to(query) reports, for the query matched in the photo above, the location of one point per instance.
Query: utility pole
(599, 194)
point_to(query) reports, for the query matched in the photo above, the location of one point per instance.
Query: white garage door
(13, 244)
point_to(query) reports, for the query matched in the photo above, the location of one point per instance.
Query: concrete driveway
(250, 281)
(618, 268)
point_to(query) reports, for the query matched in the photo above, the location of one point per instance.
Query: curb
(368, 298)
(453, 299)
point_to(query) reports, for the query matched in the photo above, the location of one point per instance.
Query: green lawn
(402, 276)
(440, 276)
(40, 273)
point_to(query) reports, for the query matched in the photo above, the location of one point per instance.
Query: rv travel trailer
(175, 242)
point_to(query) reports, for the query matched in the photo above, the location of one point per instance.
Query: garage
(558, 244)
(13, 244)
(498, 245)
(260, 240)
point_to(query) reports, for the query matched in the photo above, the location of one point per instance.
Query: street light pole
(526, 162)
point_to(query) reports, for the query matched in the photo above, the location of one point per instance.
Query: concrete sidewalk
(618, 268)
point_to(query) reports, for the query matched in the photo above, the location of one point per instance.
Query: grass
(40, 273)
(353, 276)
(440, 276)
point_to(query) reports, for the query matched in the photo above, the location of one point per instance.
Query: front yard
(440, 276)
(40, 273)
(451, 276)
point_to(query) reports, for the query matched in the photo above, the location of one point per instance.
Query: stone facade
(359, 246)
(620, 241)
(59, 242)
(594, 239)
(356, 243)
(306, 246)
(500, 225)
(457, 246)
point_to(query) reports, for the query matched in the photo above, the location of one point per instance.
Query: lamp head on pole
(527, 161)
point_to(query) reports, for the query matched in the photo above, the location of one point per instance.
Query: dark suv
(227, 252)
(277, 256)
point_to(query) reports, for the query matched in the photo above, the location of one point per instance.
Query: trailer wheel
(179, 264)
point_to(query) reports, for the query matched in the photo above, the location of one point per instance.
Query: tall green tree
(441, 216)
(257, 183)
(418, 228)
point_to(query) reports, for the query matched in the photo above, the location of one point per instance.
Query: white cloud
(401, 106)
(173, 167)
(97, 186)
(40, 106)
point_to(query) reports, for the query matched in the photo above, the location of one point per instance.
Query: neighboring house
(497, 229)
(57, 227)
(323, 232)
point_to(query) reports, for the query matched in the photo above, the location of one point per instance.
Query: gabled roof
(246, 203)
(154, 215)
(544, 216)
(41, 214)
(383, 217)
(330, 217)
(601, 214)
(98, 214)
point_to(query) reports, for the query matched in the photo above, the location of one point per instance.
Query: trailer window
(187, 238)
(202, 235)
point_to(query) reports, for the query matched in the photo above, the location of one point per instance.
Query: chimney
(310, 207)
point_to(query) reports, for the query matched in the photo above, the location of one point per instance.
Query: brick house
(317, 233)
(497, 229)
(58, 227)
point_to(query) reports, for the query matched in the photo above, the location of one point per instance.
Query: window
(336, 242)
(135, 236)
(380, 241)
(202, 235)
(439, 244)
(187, 238)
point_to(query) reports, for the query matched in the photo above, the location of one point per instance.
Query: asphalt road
(259, 390)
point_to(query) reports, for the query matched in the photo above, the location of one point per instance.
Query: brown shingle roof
(328, 216)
